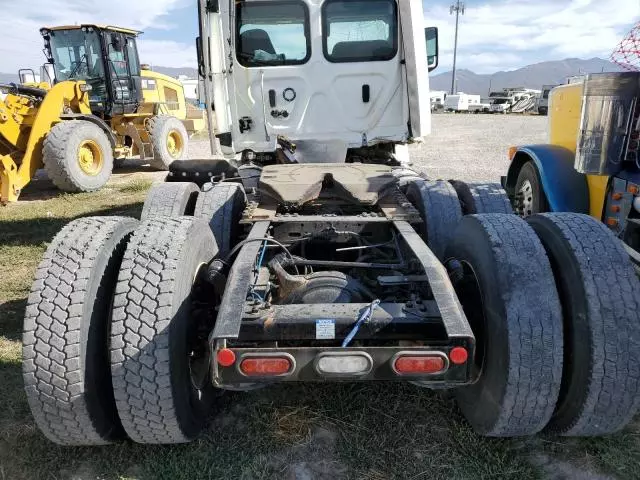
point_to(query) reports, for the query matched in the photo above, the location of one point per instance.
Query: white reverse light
(336, 363)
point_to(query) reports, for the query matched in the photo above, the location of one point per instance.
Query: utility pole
(459, 9)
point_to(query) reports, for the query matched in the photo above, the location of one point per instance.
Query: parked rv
(460, 102)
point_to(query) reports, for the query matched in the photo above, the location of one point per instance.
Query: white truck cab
(327, 76)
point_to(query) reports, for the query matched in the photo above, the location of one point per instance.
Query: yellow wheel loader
(101, 109)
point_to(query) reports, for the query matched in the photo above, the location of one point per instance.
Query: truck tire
(221, 206)
(77, 156)
(600, 296)
(440, 210)
(481, 198)
(509, 296)
(172, 199)
(529, 193)
(406, 175)
(157, 398)
(169, 139)
(65, 357)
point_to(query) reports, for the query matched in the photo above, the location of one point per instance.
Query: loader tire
(169, 139)
(172, 199)
(440, 210)
(157, 399)
(221, 206)
(65, 341)
(600, 296)
(481, 198)
(77, 156)
(509, 296)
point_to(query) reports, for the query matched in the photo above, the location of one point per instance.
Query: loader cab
(106, 58)
(329, 76)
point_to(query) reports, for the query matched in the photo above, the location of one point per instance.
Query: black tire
(172, 199)
(529, 194)
(440, 210)
(600, 296)
(151, 323)
(481, 198)
(160, 128)
(60, 155)
(65, 341)
(221, 206)
(119, 162)
(405, 175)
(509, 296)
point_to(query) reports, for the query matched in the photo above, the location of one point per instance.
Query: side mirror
(200, 57)
(431, 36)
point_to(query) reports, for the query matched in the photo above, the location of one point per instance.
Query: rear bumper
(305, 365)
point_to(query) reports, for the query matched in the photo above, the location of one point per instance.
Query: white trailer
(460, 102)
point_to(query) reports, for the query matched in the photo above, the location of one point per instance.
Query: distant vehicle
(437, 100)
(460, 102)
(542, 104)
(516, 100)
(482, 107)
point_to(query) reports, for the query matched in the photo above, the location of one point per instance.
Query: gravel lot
(474, 147)
(465, 147)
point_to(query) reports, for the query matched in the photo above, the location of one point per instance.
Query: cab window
(272, 33)
(132, 56)
(359, 30)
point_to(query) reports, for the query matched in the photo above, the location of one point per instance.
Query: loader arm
(24, 123)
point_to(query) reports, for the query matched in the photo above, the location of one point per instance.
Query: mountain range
(531, 76)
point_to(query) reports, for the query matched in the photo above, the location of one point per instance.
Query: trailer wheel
(509, 296)
(77, 156)
(440, 210)
(221, 206)
(169, 139)
(600, 296)
(172, 199)
(65, 356)
(159, 350)
(481, 198)
(529, 194)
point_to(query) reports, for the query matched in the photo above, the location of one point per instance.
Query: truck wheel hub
(524, 199)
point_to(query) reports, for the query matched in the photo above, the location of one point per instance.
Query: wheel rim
(524, 199)
(175, 143)
(90, 157)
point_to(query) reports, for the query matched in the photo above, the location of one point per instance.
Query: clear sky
(494, 34)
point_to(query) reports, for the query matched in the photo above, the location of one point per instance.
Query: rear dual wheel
(159, 351)
(220, 205)
(553, 303)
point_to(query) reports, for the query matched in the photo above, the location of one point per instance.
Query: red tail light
(458, 355)
(266, 366)
(410, 364)
(226, 357)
